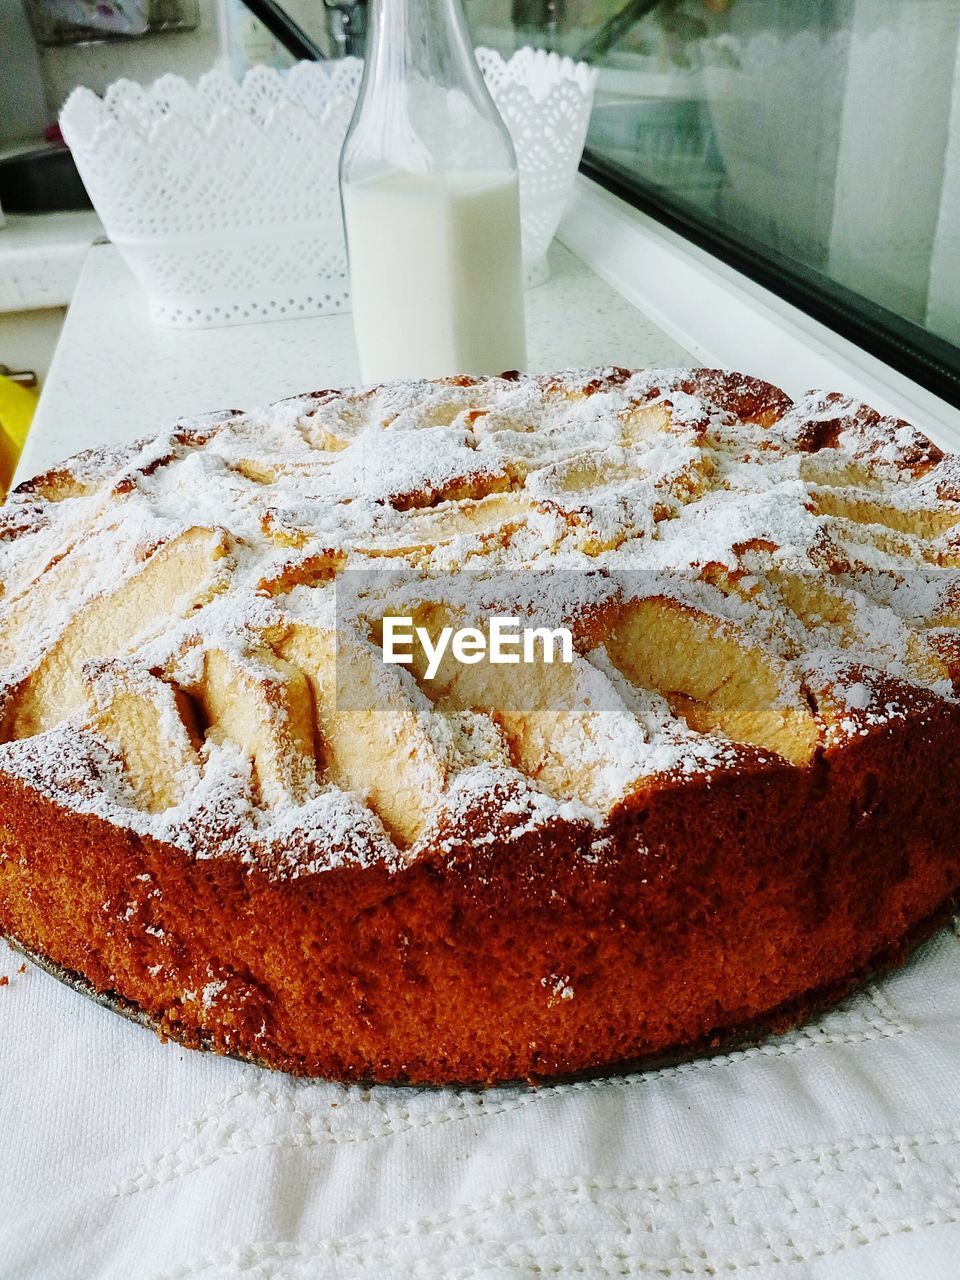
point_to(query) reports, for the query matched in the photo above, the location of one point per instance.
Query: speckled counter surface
(116, 375)
(41, 256)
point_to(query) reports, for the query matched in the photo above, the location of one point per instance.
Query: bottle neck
(424, 38)
(423, 104)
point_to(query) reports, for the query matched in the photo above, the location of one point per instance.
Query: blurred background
(813, 143)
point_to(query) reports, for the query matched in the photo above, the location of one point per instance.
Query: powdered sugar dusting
(821, 533)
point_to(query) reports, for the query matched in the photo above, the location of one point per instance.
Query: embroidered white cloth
(832, 1153)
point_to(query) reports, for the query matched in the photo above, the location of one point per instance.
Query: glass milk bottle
(428, 179)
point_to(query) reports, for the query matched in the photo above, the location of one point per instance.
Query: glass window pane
(820, 139)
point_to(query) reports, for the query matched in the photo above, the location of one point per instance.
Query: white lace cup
(545, 101)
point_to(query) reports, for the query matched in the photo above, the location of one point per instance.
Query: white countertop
(116, 375)
(41, 256)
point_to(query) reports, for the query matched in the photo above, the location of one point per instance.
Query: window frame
(924, 358)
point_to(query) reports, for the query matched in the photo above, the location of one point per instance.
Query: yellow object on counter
(17, 405)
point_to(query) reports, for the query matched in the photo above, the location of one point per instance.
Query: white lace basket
(545, 101)
(222, 197)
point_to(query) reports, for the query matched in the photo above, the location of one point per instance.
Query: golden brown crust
(718, 904)
(496, 936)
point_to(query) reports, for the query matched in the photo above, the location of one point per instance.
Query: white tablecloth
(831, 1152)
